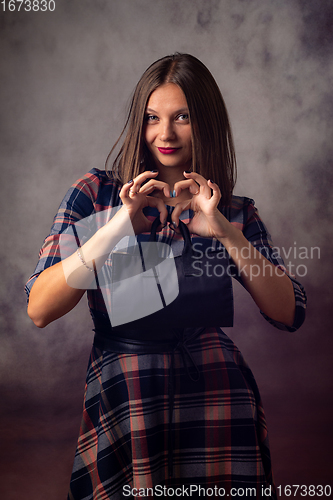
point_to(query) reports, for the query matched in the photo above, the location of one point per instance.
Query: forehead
(168, 96)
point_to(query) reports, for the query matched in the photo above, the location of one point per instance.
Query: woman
(172, 402)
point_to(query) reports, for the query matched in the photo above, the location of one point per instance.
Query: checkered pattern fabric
(219, 430)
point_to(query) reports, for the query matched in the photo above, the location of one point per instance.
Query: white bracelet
(78, 251)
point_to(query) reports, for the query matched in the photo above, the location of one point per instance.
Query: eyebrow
(182, 110)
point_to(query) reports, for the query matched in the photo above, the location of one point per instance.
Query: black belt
(145, 342)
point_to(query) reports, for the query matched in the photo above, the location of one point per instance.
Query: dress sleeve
(257, 234)
(79, 203)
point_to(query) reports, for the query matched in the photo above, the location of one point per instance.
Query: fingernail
(188, 171)
(174, 224)
(212, 181)
(129, 182)
(154, 171)
(173, 194)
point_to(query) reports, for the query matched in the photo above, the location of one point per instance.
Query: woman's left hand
(207, 221)
(270, 288)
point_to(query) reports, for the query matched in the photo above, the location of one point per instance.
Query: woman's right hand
(134, 196)
(60, 287)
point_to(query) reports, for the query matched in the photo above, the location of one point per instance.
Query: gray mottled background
(66, 77)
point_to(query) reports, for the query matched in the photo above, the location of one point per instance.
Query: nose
(167, 131)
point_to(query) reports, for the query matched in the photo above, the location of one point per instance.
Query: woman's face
(167, 130)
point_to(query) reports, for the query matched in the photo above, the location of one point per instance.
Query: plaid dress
(218, 429)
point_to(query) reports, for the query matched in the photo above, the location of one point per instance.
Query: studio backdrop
(67, 72)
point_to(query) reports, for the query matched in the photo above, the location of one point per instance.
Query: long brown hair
(213, 154)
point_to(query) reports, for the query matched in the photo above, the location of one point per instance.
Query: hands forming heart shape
(203, 199)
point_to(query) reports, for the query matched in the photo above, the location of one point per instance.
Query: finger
(159, 204)
(153, 184)
(199, 179)
(216, 192)
(125, 190)
(141, 178)
(189, 184)
(216, 196)
(179, 208)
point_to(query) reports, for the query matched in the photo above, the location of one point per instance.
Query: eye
(151, 118)
(184, 117)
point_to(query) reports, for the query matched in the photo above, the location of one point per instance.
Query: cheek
(189, 144)
(148, 137)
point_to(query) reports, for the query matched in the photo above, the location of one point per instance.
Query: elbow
(38, 319)
(289, 317)
(40, 323)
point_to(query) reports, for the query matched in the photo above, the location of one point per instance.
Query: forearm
(269, 286)
(60, 287)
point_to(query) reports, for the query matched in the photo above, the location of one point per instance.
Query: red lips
(168, 151)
